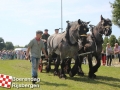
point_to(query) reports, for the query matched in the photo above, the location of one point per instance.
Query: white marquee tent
(19, 49)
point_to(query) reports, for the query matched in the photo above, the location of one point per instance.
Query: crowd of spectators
(111, 52)
(11, 55)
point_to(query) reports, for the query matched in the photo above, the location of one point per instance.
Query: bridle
(104, 28)
(83, 35)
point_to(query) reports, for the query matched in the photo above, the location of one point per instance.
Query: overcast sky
(19, 19)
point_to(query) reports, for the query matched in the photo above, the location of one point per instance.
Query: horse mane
(97, 28)
(67, 33)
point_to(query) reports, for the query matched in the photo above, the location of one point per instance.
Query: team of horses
(75, 41)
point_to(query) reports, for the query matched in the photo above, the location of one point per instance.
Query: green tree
(9, 46)
(112, 40)
(116, 12)
(26, 46)
(2, 44)
(106, 40)
(119, 40)
(17, 46)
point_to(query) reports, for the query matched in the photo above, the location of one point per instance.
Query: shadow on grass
(51, 71)
(52, 84)
(106, 80)
(110, 81)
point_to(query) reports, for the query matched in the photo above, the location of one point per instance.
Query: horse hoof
(90, 76)
(70, 74)
(94, 76)
(56, 73)
(68, 71)
(80, 73)
(62, 76)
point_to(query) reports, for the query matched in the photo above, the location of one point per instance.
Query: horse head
(105, 26)
(83, 29)
(77, 29)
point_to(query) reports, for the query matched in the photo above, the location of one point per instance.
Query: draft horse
(65, 44)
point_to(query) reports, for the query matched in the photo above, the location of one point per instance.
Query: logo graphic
(5, 81)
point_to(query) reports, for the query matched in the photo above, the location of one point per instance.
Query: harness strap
(94, 39)
(74, 39)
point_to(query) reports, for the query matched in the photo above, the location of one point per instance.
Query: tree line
(8, 45)
(116, 12)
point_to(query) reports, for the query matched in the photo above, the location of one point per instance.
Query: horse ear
(88, 22)
(79, 21)
(102, 17)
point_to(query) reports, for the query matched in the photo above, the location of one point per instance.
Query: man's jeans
(35, 65)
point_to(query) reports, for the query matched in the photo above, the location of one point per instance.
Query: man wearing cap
(56, 31)
(44, 38)
(35, 46)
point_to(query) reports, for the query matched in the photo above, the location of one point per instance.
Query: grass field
(108, 77)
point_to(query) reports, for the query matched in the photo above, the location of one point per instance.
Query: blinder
(85, 29)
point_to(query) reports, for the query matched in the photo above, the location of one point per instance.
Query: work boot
(34, 81)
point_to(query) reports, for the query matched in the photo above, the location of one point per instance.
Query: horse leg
(57, 63)
(90, 74)
(62, 74)
(68, 65)
(80, 71)
(74, 70)
(48, 67)
(95, 68)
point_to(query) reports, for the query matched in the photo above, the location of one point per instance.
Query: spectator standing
(109, 53)
(18, 54)
(21, 55)
(117, 51)
(103, 57)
